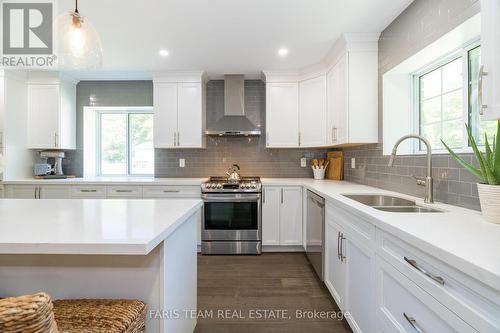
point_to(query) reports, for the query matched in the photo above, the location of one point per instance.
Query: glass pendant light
(77, 43)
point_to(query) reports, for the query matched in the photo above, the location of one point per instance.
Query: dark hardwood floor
(232, 288)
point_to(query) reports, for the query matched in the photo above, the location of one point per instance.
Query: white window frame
(462, 52)
(98, 142)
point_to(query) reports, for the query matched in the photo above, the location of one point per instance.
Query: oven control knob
(213, 185)
(254, 185)
(219, 186)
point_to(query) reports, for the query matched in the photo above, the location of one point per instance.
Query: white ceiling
(224, 36)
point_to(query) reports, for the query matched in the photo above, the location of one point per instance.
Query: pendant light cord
(76, 6)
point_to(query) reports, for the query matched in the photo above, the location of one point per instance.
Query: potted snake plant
(488, 172)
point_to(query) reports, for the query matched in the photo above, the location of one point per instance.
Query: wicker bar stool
(38, 314)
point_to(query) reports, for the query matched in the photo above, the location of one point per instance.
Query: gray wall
(249, 153)
(420, 24)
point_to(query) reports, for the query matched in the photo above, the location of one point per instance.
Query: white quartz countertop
(459, 237)
(108, 180)
(76, 226)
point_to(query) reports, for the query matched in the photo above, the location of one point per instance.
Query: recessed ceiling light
(283, 52)
(163, 52)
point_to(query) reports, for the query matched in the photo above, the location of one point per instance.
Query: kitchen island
(132, 249)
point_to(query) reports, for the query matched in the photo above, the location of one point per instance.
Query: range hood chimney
(234, 122)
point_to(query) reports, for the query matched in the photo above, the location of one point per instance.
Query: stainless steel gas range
(232, 222)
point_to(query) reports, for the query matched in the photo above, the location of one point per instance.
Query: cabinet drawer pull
(88, 191)
(414, 264)
(123, 191)
(171, 191)
(413, 323)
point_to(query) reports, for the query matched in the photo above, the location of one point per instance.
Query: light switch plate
(182, 163)
(303, 162)
(353, 163)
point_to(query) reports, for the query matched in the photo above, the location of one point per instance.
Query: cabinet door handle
(36, 190)
(300, 134)
(267, 139)
(414, 264)
(55, 139)
(263, 195)
(175, 139)
(88, 191)
(39, 193)
(123, 191)
(281, 195)
(342, 256)
(413, 323)
(482, 74)
(171, 191)
(178, 138)
(338, 246)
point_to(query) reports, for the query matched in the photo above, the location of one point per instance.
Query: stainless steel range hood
(234, 122)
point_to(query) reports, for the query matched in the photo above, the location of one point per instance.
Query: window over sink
(434, 93)
(445, 96)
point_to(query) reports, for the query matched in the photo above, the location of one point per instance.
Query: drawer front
(88, 191)
(351, 222)
(404, 307)
(124, 191)
(475, 303)
(158, 192)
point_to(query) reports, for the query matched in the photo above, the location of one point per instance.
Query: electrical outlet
(353, 163)
(303, 162)
(182, 162)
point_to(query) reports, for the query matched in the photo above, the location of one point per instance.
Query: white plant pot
(489, 196)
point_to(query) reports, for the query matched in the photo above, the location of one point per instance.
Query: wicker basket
(27, 314)
(37, 314)
(100, 316)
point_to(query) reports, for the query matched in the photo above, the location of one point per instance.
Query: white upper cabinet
(51, 114)
(353, 91)
(335, 105)
(490, 50)
(190, 120)
(312, 112)
(165, 115)
(179, 111)
(282, 114)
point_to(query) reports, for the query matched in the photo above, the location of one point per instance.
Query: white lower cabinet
(38, 192)
(21, 192)
(350, 267)
(124, 191)
(384, 284)
(402, 306)
(54, 192)
(335, 270)
(282, 215)
(88, 191)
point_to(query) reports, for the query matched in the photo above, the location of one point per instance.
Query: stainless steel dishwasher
(315, 232)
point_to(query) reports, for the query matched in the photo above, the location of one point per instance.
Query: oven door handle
(239, 198)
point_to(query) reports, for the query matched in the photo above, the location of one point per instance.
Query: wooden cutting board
(335, 170)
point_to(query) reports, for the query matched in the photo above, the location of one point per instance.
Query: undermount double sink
(389, 203)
